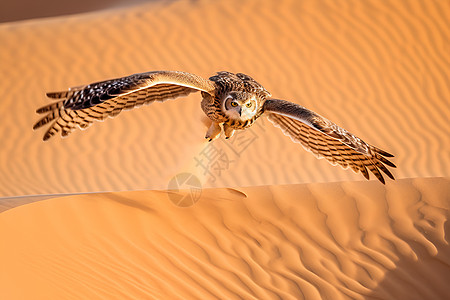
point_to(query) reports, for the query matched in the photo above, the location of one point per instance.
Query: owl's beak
(240, 111)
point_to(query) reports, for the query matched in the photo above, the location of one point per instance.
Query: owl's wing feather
(327, 140)
(81, 106)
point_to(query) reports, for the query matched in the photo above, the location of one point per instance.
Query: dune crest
(349, 240)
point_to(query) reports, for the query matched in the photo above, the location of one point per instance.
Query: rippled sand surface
(378, 68)
(271, 221)
(350, 240)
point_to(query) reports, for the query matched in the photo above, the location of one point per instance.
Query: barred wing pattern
(327, 140)
(81, 106)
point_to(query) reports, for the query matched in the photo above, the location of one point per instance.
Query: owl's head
(240, 105)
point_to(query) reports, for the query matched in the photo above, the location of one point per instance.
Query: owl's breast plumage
(226, 82)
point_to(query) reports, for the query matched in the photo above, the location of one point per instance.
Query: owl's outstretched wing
(81, 106)
(327, 140)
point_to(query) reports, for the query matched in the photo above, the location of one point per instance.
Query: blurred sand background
(379, 69)
(273, 222)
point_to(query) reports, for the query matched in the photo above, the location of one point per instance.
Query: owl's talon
(229, 131)
(213, 131)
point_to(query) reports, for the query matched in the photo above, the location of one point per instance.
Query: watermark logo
(211, 162)
(217, 156)
(185, 189)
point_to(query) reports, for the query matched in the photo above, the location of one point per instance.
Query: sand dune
(350, 240)
(271, 221)
(378, 68)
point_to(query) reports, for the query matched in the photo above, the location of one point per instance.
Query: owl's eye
(234, 104)
(249, 104)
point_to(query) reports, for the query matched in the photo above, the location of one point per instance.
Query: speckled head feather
(227, 81)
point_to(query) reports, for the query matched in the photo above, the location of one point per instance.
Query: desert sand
(350, 240)
(378, 69)
(274, 222)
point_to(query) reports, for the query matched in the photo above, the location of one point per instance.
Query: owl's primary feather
(231, 101)
(327, 140)
(82, 105)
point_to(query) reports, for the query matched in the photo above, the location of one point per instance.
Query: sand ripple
(351, 240)
(378, 68)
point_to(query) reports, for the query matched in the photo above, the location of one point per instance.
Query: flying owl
(231, 101)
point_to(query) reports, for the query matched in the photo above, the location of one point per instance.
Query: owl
(231, 101)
